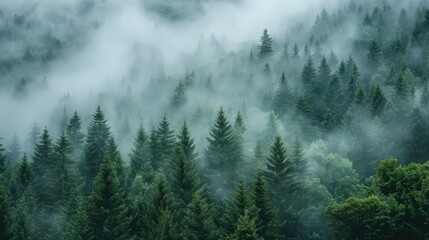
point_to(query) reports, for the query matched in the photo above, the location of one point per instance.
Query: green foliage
(265, 49)
(282, 99)
(6, 230)
(166, 142)
(139, 154)
(74, 133)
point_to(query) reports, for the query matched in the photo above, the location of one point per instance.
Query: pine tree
(165, 227)
(258, 156)
(246, 228)
(155, 151)
(184, 181)
(74, 133)
(79, 226)
(166, 141)
(198, 222)
(265, 49)
(267, 226)
(297, 158)
(282, 98)
(280, 173)
(106, 205)
(96, 144)
(179, 98)
(59, 173)
(237, 207)
(419, 138)
(24, 225)
(400, 90)
(2, 159)
(285, 53)
(295, 51)
(160, 205)
(239, 125)
(33, 136)
(374, 54)
(323, 74)
(308, 76)
(222, 155)
(328, 120)
(6, 229)
(186, 142)
(139, 154)
(25, 174)
(378, 101)
(14, 153)
(42, 166)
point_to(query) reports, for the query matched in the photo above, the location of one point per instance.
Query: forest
(214, 119)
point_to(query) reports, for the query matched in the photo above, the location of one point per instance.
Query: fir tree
(24, 175)
(323, 74)
(96, 144)
(419, 138)
(74, 133)
(282, 98)
(6, 229)
(186, 142)
(24, 226)
(378, 101)
(239, 124)
(60, 170)
(179, 98)
(374, 54)
(267, 226)
(117, 163)
(308, 76)
(199, 223)
(155, 151)
(33, 136)
(237, 207)
(166, 141)
(139, 154)
(246, 228)
(295, 51)
(297, 158)
(285, 53)
(281, 174)
(106, 205)
(265, 49)
(79, 226)
(184, 181)
(222, 155)
(14, 153)
(400, 90)
(258, 156)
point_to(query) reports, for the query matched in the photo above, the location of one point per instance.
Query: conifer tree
(186, 142)
(166, 141)
(258, 156)
(285, 53)
(222, 155)
(400, 90)
(96, 144)
(378, 101)
(267, 226)
(79, 226)
(6, 229)
(323, 74)
(239, 125)
(155, 151)
(33, 136)
(374, 54)
(297, 158)
(139, 154)
(237, 207)
(74, 133)
(117, 163)
(282, 98)
(265, 49)
(14, 153)
(106, 205)
(199, 223)
(280, 173)
(308, 76)
(295, 51)
(24, 174)
(184, 181)
(246, 228)
(24, 225)
(179, 98)
(2, 159)
(419, 138)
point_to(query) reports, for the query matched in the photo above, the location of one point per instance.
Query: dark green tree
(265, 49)
(6, 220)
(374, 54)
(198, 221)
(378, 101)
(155, 151)
(187, 143)
(222, 155)
(246, 228)
(166, 140)
(60, 170)
(179, 97)
(282, 98)
(419, 138)
(25, 173)
(139, 154)
(74, 132)
(79, 226)
(106, 205)
(96, 144)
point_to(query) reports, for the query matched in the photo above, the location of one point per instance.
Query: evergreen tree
(265, 49)
(199, 223)
(295, 51)
(328, 120)
(419, 138)
(179, 98)
(24, 175)
(282, 98)
(166, 141)
(24, 225)
(96, 144)
(79, 226)
(223, 156)
(6, 229)
(33, 137)
(258, 156)
(267, 226)
(323, 74)
(155, 151)
(239, 124)
(280, 173)
(297, 158)
(74, 133)
(14, 153)
(237, 207)
(400, 90)
(285, 53)
(139, 154)
(308, 77)
(184, 181)
(186, 142)
(378, 101)
(246, 228)
(374, 54)
(60, 170)
(2, 159)
(106, 205)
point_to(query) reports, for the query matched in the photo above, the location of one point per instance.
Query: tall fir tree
(60, 169)
(265, 49)
(166, 140)
(79, 226)
(24, 176)
(378, 101)
(198, 221)
(187, 143)
(96, 144)
(106, 204)
(222, 156)
(246, 228)
(14, 152)
(74, 132)
(139, 155)
(282, 98)
(155, 151)
(6, 214)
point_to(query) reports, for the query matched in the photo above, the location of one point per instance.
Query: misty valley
(214, 119)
